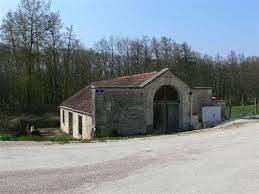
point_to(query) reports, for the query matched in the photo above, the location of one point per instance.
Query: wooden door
(172, 117)
(159, 116)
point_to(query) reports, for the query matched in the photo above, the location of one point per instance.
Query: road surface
(221, 160)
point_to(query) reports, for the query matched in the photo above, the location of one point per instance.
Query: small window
(63, 116)
(80, 124)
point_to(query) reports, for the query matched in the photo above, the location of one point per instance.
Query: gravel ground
(220, 160)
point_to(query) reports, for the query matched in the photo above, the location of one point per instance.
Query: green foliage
(41, 63)
(59, 139)
(237, 112)
(62, 139)
(5, 137)
(18, 124)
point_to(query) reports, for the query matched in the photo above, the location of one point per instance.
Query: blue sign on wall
(99, 91)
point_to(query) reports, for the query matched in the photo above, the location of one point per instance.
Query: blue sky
(209, 26)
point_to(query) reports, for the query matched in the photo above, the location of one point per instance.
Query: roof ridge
(136, 74)
(126, 76)
(162, 71)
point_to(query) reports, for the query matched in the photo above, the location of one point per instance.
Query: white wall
(64, 125)
(86, 124)
(211, 114)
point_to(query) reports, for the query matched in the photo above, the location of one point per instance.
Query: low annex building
(154, 102)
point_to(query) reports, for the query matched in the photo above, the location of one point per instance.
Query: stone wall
(223, 105)
(127, 111)
(201, 97)
(130, 110)
(183, 91)
(120, 111)
(86, 123)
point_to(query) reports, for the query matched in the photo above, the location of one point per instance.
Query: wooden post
(243, 108)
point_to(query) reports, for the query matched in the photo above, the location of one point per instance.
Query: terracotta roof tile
(126, 81)
(82, 100)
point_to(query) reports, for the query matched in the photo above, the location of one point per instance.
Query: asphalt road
(222, 160)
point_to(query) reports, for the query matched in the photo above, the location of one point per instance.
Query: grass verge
(237, 112)
(59, 139)
(63, 139)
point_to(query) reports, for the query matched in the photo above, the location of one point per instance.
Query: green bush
(21, 138)
(42, 121)
(5, 138)
(18, 124)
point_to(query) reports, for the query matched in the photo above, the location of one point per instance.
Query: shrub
(115, 133)
(5, 138)
(18, 125)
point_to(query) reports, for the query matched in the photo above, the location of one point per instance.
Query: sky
(208, 26)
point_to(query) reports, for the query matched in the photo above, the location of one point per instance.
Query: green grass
(115, 138)
(62, 139)
(237, 111)
(6, 137)
(68, 138)
(59, 139)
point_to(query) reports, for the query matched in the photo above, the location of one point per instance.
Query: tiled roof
(82, 101)
(125, 81)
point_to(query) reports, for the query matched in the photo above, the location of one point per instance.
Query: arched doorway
(166, 110)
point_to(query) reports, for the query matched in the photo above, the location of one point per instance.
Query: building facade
(155, 102)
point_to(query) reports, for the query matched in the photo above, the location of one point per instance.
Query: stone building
(154, 102)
